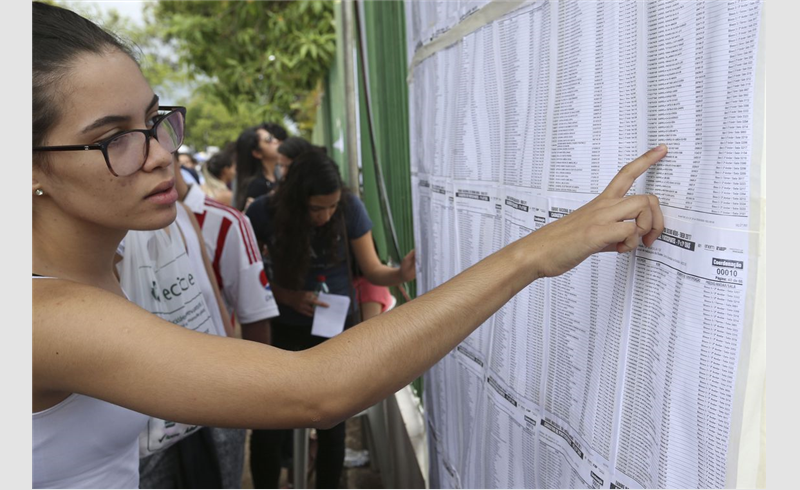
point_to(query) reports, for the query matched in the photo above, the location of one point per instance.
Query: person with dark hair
(291, 148)
(188, 165)
(308, 227)
(102, 164)
(275, 130)
(219, 173)
(256, 157)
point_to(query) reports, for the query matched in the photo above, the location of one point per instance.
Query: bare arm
(374, 270)
(227, 382)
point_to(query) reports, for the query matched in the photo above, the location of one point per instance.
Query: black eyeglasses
(126, 152)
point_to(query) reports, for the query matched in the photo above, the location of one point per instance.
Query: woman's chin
(156, 220)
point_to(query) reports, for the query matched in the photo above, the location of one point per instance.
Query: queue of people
(140, 279)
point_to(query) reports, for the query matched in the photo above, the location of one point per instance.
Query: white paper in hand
(329, 322)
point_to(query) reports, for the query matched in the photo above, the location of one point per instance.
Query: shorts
(366, 292)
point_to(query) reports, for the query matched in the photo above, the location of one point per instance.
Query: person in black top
(256, 158)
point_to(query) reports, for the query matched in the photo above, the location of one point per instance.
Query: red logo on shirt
(263, 278)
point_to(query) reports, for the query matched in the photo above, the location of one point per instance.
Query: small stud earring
(39, 192)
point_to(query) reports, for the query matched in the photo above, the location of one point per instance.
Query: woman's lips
(164, 194)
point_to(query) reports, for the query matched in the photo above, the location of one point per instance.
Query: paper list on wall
(477, 150)
(479, 234)
(446, 76)
(587, 312)
(415, 126)
(562, 462)
(524, 48)
(510, 439)
(623, 390)
(595, 128)
(469, 7)
(470, 390)
(518, 335)
(457, 406)
(442, 245)
(426, 20)
(443, 401)
(700, 79)
(421, 209)
(686, 327)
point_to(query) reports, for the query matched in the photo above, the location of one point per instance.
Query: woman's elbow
(327, 414)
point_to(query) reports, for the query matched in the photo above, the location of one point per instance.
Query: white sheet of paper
(329, 322)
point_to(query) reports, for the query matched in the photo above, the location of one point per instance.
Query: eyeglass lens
(127, 153)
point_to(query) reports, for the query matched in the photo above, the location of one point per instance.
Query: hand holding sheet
(329, 322)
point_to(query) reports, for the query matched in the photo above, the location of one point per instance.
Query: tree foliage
(210, 123)
(261, 60)
(162, 68)
(232, 63)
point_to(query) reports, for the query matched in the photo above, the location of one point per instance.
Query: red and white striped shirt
(236, 259)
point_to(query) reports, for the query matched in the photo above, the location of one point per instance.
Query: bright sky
(130, 8)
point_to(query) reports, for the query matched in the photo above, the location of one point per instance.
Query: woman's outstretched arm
(93, 342)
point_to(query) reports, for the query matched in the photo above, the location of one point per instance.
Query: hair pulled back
(60, 36)
(275, 130)
(221, 160)
(248, 167)
(294, 146)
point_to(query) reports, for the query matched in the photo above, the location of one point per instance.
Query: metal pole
(300, 458)
(351, 104)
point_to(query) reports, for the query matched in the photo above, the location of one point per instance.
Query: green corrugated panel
(321, 134)
(384, 24)
(334, 98)
(370, 195)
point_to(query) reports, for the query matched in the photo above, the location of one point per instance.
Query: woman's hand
(408, 270)
(302, 302)
(610, 222)
(374, 270)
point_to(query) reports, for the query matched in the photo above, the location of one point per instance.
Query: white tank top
(84, 442)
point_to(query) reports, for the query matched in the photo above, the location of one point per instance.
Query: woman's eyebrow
(153, 103)
(116, 119)
(104, 121)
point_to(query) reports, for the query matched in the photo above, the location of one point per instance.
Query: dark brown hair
(311, 174)
(59, 37)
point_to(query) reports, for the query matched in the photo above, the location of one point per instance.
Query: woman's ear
(37, 187)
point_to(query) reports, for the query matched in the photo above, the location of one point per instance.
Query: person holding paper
(305, 226)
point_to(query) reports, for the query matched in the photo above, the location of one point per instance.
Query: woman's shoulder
(353, 203)
(258, 186)
(63, 294)
(261, 213)
(356, 216)
(67, 301)
(262, 207)
(354, 207)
